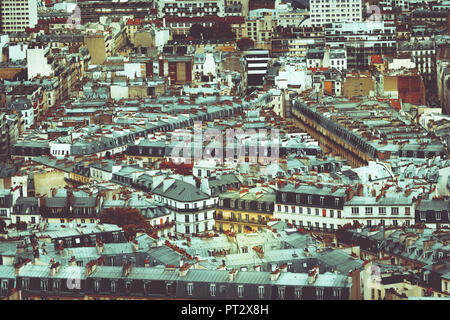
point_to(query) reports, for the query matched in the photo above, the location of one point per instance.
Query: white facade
(16, 15)
(370, 214)
(37, 62)
(28, 117)
(329, 11)
(191, 8)
(191, 217)
(337, 59)
(18, 52)
(103, 175)
(60, 149)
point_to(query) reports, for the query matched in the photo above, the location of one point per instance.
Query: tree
(129, 219)
(222, 30)
(197, 31)
(245, 43)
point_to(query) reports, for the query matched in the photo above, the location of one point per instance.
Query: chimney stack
(90, 267)
(313, 274)
(100, 247)
(274, 275)
(232, 275)
(184, 269)
(126, 268)
(54, 268)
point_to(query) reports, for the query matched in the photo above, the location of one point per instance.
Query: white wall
(119, 92)
(18, 52)
(37, 63)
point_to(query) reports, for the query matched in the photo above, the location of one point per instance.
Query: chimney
(72, 261)
(257, 268)
(19, 266)
(283, 267)
(135, 245)
(90, 267)
(54, 268)
(274, 275)
(350, 277)
(313, 274)
(126, 268)
(147, 263)
(99, 246)
(232, 275)
(184, 269)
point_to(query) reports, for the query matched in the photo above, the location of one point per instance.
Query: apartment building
(245, 210)
(361, 40)
(17, 15)
(191, 8)
(192, 209)
(329, 11)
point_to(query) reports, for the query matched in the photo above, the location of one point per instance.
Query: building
(192, 209)
(247, 210)
(256, 65)
(361, 40)
(435, 212)
(191, 8)
(12, 10)
(326, 12)
(91, 11)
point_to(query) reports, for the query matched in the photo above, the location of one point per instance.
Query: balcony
(241, 221)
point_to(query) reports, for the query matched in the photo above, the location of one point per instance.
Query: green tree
(222, 30)
(245, 43)
(197, 31)
(129, 219)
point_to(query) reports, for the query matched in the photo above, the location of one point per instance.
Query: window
(317, 212)
(337, 294)
(438, 215)
(394, 210)
(240, 290)
(281, 291)
(261, 292)
(190, 288)
(298, 293)
(355, 211)
(44, 285)
(407, 211)
(297, 198)
(283, 197)
(212, 290)
(322, 200)
(369, 210)
(4, 284)
(309, 199)
(25, 284)
(113, 286)
(339, 214)
(56, 284)
(308, 210)
(423, 216)
(382, 210)
(331, 213)
(96, 285)
(319, 293)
